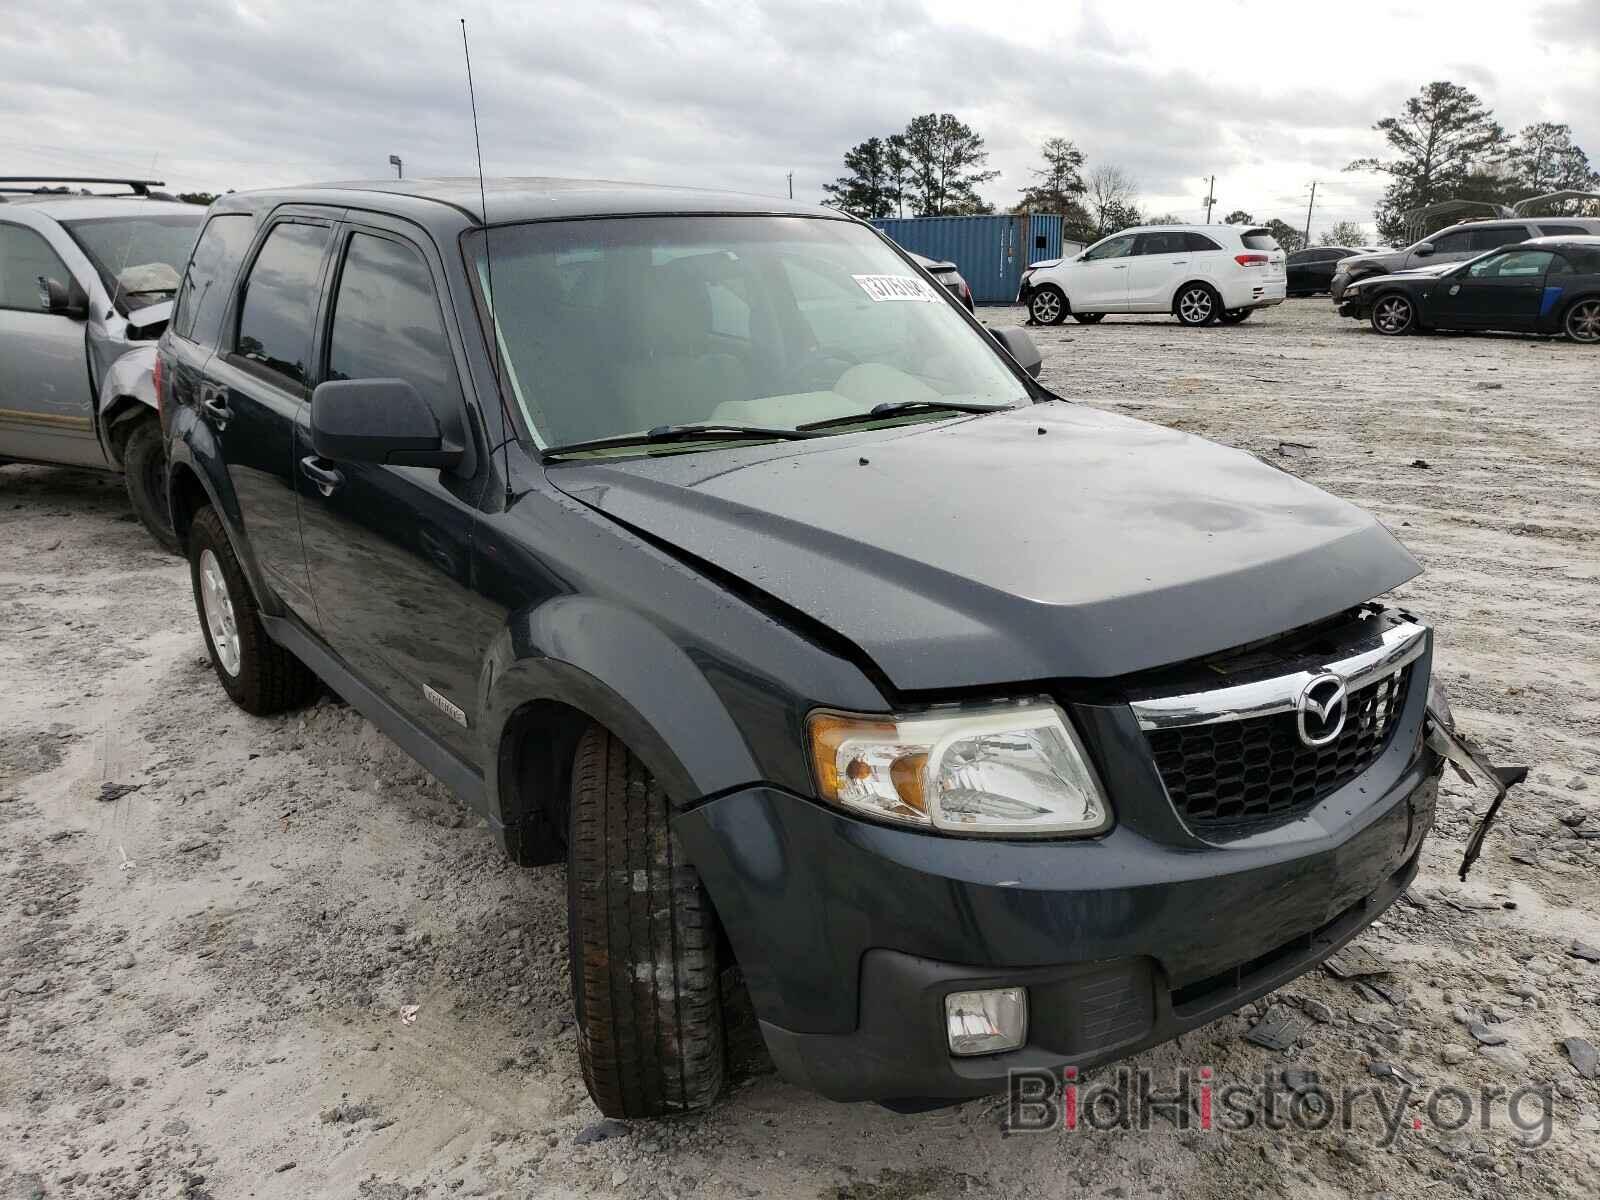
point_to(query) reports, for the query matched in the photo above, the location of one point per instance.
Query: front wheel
(1233, 316)
(643, 943)
(1583, 321)
(1198, 305)
(1088, 318)
(144, 471)
(1393, 315)
(1048, 305)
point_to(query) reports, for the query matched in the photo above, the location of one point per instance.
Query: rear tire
(144, 471)
(1197, 304)
(643, 943)
(1048, 305)
(1088, 318)
(1234, 316)
(1393, 315)
(259, 675)
(1582, 323)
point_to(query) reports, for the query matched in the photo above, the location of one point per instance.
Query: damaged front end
(1472, 765)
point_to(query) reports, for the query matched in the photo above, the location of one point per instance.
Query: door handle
(216, 407)
(1180, 262)
(327, 479)
(1119, 266)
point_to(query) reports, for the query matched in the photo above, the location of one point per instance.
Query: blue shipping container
(990, 252)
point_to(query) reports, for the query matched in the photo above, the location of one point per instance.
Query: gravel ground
(284, 963)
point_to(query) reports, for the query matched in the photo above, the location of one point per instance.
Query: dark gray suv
(679, 533)
(1457, 244)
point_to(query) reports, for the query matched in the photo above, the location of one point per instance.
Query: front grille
(1258, 769)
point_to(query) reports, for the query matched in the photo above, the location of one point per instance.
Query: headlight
(1439, 703)
(1000, 769)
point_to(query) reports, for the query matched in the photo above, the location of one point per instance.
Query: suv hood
(1049, 542)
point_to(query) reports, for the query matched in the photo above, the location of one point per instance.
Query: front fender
(127, 392)
(620, 669)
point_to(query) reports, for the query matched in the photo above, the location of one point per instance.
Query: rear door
(257, 384)
(388, 548)
(1500, 291)
(1160, 262)
(1099, 283)
(45, 389)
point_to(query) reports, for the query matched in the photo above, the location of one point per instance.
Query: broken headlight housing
(1010, 769)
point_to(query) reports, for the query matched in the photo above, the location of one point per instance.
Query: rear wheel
(144, 470)
(1233, 316)
(643, 942)
(1088, 318)
(1048, 306)
(1583, 321)
(1393, 315)
(1198, 304)
(259, 675)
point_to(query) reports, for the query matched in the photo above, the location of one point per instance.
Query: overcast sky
(1268, 96)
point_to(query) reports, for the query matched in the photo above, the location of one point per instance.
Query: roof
(532, 198)
(1565, 239)
(72, 208)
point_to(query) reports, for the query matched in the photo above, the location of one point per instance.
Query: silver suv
(86, 286)
(1458, 243)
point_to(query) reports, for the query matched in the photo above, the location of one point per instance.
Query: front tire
(1583, 321)
(1234, 316)
(1197, 304)
(144, 471)
(1048, 305)
(643, 943)
(259, 675)
(1393, 315)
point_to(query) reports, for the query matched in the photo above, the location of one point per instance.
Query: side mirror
(378, 421)
(1020, 346)
(55, 297)
(1423, 249)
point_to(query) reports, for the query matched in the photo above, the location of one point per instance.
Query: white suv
(1199, 273)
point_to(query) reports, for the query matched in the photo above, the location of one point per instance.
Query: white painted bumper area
(1258, 292)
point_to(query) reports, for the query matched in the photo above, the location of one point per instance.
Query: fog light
(986, 1022)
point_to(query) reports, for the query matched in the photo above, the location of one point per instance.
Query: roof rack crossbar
(141, 187)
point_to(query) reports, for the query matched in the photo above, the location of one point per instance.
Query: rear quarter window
(1259, 239)
(197, 315)
(1199, 243)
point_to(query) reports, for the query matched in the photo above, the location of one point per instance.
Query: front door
(255, 388)
(46, 395)
(1500, 291)
(388, 548)
(1160, 263)
(1099, 282)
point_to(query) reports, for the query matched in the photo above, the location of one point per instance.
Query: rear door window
(1496, 236)
(1259, 239)
(1162, 243)
(203, 295)
(280, 300)
(24, 256)
(386, 320)
(1563, 230)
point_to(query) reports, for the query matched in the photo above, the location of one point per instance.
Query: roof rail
(140, 187)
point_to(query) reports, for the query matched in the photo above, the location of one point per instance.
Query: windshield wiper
(705, 431)
(891, 408)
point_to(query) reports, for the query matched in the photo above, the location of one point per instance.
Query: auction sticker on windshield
(894, 287)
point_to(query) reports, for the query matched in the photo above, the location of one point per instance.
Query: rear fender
(192, 450)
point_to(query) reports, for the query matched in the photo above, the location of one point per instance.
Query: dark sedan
(1311, 270)
(947, 275)
(1547, 285)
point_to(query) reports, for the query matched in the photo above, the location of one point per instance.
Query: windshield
(617, 327)
(139, 259)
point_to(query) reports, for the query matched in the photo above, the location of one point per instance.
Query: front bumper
(850, 934)
(1351, 305)
(1337, 285)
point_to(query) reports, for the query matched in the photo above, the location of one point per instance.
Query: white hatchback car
(1199, 273)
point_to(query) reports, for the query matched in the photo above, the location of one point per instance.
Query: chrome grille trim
(1400, 644)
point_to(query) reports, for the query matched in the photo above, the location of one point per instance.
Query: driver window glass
(386, 322)
(1450, 243)
(24, 256)
(1518, 265)
(1119, 247)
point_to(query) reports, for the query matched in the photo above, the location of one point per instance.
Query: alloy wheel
(1195, 306)
(1392, 315)
(1583, 322)
(1046, 308)
(220, 622)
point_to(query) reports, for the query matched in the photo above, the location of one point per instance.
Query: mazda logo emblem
(1321, 709)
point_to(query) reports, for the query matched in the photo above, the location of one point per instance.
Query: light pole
(791, 185)
(394, 161)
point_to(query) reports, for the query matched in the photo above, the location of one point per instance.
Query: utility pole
(791, 185)
(1211, 197)
(1309, 207)
(394, 161)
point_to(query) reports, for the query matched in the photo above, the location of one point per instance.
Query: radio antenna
(488, 267)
